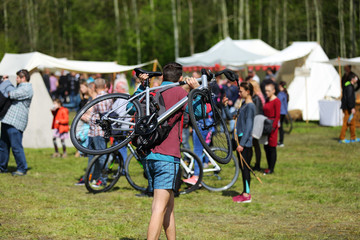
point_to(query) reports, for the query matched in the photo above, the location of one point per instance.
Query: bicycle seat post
(204, 81)
(147, 94)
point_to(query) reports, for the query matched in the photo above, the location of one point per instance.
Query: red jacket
(61, 120)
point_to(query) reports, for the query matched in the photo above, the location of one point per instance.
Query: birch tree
(176, 34)
(247, 16)
(137, 31)
(224, 17)
(241, 19)
(277, 27)
(270, 21)
(318, 22)
(307, 9)
(341, 28)
(352, 30)
(260, 20)
(191, 31)
(152, 14)
(284, 40)
(117, 29)
(6, 26)
(235, 17)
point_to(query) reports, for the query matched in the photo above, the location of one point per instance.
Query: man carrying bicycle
(162, 163)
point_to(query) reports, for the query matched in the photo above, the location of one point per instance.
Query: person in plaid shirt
(14, 123)
(96, 134)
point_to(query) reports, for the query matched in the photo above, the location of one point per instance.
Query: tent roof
(294, 51)
(344, 61)
(229, 52)
(11, 63)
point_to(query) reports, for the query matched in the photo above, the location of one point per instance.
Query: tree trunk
(260, 20)
(235, 12)
(71, 42)
(247, 16)
(152, 9)
(178, 15)
(117, 29)
(6, 28)
(270, 26)
(127, 16)
(277, 27)
(318, 22)
(137, 31)
(352, 52)
(191, 31)
(307, 8)
(341, 28)
(224, 17)
(241, 19)
(284, 42)
(176, 33)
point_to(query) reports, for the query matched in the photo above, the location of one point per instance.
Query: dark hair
(248, 87)
(172, 72)
(58, 101)
(283, 84)
(24, 73)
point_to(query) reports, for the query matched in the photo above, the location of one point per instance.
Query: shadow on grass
(230, 193)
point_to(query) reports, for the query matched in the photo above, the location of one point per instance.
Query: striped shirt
(18, 113)
(100, 108)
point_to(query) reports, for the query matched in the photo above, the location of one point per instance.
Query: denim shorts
(161, 174)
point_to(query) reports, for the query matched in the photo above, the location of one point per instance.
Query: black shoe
(257, 168)
(18, 173)
(144, 194)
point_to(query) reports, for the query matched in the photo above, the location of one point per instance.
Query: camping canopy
(229, 52)
(38, 132)
(323, 81)
(11, 63)
(354, 62)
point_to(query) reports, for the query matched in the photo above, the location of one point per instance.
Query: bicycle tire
(136, 177)
(288, 124)
(187, 171)
(77, 135)
(220, 177)
(220, 136)
(109, 172)
(135, 174)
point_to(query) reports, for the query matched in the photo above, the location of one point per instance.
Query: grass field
(314, 194)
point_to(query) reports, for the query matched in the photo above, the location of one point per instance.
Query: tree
(137, 30)
(241, 19)
(225, 24)
(176, 33)
(191, 31)
(117, 28)
(341, 28)
(284, 24)
(247, 16)
(318, 22)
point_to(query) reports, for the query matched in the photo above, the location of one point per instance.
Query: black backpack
(145, 141)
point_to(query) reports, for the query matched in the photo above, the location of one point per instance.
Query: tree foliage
(86, 30)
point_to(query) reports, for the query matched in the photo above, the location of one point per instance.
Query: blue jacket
(284, 104)
(245, 123)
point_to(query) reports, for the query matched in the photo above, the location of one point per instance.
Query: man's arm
(6, 87)
(21, 93)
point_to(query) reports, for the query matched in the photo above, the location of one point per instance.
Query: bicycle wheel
(211, 127)
(103, 172)
(220, 177)
(135, 173)
(287, 124)
(111, 115)
(187, 165)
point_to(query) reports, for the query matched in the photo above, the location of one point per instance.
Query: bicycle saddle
(139, 71)
(228, 74)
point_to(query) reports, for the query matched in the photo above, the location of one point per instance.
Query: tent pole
(340, 77)
(306, 99)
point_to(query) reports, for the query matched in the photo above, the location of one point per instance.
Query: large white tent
(229, 52)
(38, 132)
(354, 62)
(324, 81)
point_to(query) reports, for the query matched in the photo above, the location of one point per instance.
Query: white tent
(354, 62)
(229, 52)
(38, 132)
(323, 81)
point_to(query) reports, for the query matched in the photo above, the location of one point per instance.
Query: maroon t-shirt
(171, 145)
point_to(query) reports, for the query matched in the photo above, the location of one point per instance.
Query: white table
(330, 113)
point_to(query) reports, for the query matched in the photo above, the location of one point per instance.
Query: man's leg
(4, 147)
(345, 124)
(161, 202)
(352, 129)
(15, 137)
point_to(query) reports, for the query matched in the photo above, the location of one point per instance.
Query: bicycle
(112, 168)
(125, 119)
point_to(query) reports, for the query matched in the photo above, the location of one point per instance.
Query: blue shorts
(161, 174)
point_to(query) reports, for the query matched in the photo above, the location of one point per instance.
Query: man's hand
(353, 111)
(239, 148)
(143, 77)
(192, 83)
(225, 101)
(5, 77)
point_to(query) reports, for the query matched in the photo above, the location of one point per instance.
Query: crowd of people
(241, 105)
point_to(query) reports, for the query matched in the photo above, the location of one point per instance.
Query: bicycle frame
(146, 94)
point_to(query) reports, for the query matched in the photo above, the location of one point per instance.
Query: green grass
(314, 194)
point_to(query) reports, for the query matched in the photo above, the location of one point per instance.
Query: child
(162, 163)
(283, 96)
(60, 126)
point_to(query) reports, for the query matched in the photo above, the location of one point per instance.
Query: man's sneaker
(98, 184)
(18, 173)
(242, 199)
(192, 181)
(81, 182)
(281, 145)
(56, 155)
(268, 171)
(344, 141)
